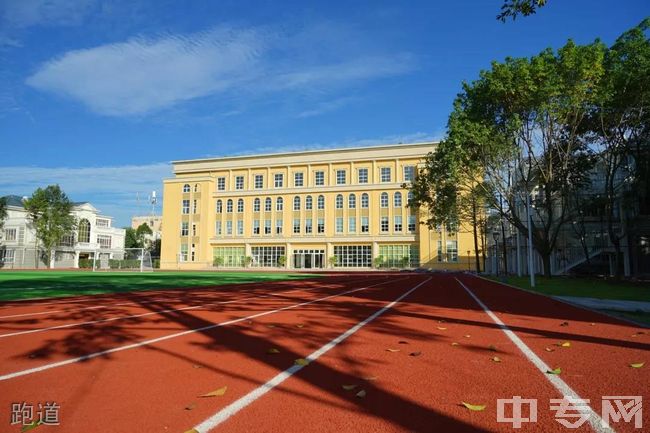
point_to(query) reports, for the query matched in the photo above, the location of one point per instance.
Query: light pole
(496, 235)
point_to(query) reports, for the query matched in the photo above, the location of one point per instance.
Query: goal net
(133, 259)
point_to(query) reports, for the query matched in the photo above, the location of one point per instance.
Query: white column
(375, 253)
(330, 253)
(289, 256)
(76, 259)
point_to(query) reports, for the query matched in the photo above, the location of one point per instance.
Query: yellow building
(342, 208)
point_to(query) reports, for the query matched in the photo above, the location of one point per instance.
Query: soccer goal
(133, 259)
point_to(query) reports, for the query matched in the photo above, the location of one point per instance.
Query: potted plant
(282, 260)
(217, 261)
(378, 261)
(333, 261)
(247, 261)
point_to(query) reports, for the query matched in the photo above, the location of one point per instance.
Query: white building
(95, 237)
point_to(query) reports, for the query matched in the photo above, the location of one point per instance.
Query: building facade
(95, 237)
(342, 208)
(153, 221)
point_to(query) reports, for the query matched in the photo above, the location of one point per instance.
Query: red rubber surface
(148, 388)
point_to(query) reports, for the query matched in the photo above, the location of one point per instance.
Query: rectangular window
(278, 227)
(195, 206)
(239, 182)
(363, 175)
(409, 173)
(267, 227)
(339, 224)
(321, 225)
(452, 251)
(319, 178)
(298, 179)
(183, 253)
(352, 225)
(353, 256)
(439, 251)
(296, 225)
(399, 256)
(229, 227)
(308, 226)
(218, 228)
(193, 252)
(411, 223)
(398, 223)
(228, 256)
(279, 180)
(240, 227)
(104, 241)
(256, 227)
(259, 181)
(365, 227)
(101, 222)
(186, 207)
(340, 177)
(221, 184)
(384, 174)
(384, 224)
(267, 256)
(10, 234)
(193, 229)
(7, 256)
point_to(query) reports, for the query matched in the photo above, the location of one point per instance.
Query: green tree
(3, 211)
(513, 8)
(131, 238)
(141, 234)
(618, 131)
(515, 131)
(155, 248)
(49, 212)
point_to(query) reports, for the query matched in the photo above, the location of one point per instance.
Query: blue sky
(99, 96)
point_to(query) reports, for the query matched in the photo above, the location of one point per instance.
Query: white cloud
(26, 13)
(113, 190)
(144, 75)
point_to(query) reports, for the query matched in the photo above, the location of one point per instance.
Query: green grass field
(585, 287)
(16, 285)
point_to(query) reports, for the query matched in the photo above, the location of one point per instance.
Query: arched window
(279, 204)
(296, 203)
(219, 206)
(397, 199)
(308, 203)
(196, 187)
(229, 206)
(268, 206)
(240, 205)
(364, 201)
(186, 187)
(84, 231)
(352, 201)
(384, 199)
(339, 201)
(256, 205)
(321, 202)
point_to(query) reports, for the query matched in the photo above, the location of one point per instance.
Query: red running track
(106, 380)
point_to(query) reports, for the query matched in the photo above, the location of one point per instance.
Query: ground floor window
(183, 254)
(308, 259)
(268, 256)
(452, 251)
(228, 256)
(7, 256)
(353, 256)
(399, 256)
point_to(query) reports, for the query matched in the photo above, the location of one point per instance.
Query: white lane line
(230, 410)
(596, 422)
(135, 303)
(176, 335)
(132, 316)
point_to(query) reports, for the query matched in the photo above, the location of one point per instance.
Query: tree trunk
(546, 260)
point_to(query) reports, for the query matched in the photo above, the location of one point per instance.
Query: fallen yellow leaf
(549, 349)
(474, 407)
(467, 335)
(455, 344)
(441, 328)
(637, 364)
(563, 344)
(393, 350)
(361, 394)
(299, 325)
(555, 371)
(370, 378)
(216, 393)
(272, 351)
(496, 359)
(301, 361)
(348, 387)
